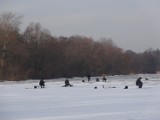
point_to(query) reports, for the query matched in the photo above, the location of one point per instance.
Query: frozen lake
(20, 101)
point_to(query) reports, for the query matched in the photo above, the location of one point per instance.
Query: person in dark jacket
(126, 87)
(89, 77)
(97, 79)
(104, 79)
(139, 83)
(42, 83)
(67, 83)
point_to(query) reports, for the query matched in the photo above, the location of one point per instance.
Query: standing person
(139, 83)
(88, 77)
(104, 79)
(42, 83)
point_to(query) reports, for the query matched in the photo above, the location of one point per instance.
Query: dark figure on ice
(104, 79)
(139, 83)
(42, 83)
(126, 87)
(89, 77)
(83, 80)
(67, 83)
(95, 87)
(97, 79)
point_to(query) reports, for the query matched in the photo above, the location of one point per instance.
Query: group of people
(42, 83)
(103, 79)
(139, 83)
(97, 79)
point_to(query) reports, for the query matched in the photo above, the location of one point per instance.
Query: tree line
(35, 54)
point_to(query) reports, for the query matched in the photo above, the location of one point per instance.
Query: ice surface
(20, 101)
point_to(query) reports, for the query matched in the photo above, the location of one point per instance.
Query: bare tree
(34, 37)
(9, 23)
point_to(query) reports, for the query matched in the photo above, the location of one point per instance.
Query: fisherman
(67, 83)
(126, 87)
(89, 77)
(42, 83)
(139, 83)
(104, 79)
(97, 79)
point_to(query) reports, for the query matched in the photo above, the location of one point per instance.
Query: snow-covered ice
(20, 101)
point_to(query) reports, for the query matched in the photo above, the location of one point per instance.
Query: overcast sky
(131, 24)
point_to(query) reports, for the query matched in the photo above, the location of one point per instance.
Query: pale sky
(131, 24)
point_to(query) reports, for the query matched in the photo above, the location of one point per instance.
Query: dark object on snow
(83, 80)
(95, 87)
(97, 80)
(67, 83)
(104, 79)
(89, 77)
(35, 87)
(146, 78)
(126, 87)
(139, 83)
(42, 83)
(113, 87)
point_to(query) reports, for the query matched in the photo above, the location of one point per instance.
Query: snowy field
(20, 101)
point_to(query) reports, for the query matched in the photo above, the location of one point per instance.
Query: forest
(35, 53)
